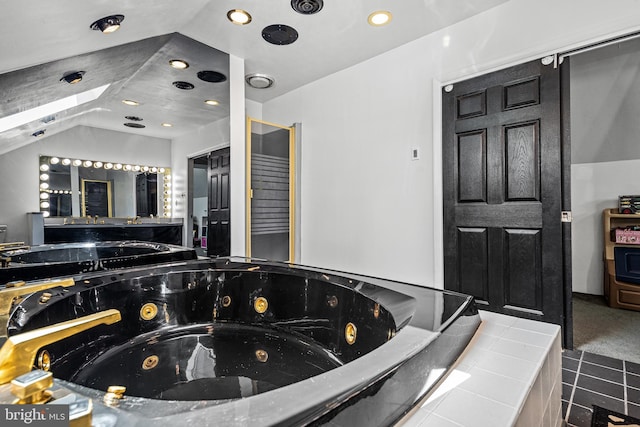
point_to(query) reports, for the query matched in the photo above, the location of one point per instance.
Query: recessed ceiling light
(179, 64)
(211, 102)
(108, 24)
(73, 78)
(259, 81)
(379, 18)
(167, 125)
(130, 102)
(239, 16)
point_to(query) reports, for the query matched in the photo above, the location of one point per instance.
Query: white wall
(19, 168)
(366, 206)
(595, 187)
(605, 104)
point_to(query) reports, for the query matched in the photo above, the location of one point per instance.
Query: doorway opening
(198, 203)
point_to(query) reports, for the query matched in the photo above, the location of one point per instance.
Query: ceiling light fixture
(73, 78)
(166, 125)
(179, 64)
(130, 102)
(108, 24)
(239, 16)
(211, 102)
(379, 18)
(259, 81)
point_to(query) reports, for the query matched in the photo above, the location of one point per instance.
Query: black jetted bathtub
(65, 259)
(236, 342)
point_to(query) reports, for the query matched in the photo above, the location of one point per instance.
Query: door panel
(219, 217)
(502, 191)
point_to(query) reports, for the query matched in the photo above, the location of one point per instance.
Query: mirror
(76, 187)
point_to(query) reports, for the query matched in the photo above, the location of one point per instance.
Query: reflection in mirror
(76, 187)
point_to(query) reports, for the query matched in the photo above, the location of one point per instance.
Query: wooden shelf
(618, 294)
(612, 220)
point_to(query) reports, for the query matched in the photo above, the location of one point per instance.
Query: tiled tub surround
(590, 379)
(509, 375)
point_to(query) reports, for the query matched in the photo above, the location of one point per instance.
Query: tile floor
(589, 379)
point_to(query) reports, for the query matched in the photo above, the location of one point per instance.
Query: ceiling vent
(306, 7)
(135, 125)
(279, 34)
(211, 76)
(133, 118)
(183, 85)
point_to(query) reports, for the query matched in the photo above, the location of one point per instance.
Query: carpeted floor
(600, 329)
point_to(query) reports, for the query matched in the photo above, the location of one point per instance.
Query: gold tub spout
(18, 289)
(18, 354)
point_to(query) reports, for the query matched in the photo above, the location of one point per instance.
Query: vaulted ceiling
(42, 41)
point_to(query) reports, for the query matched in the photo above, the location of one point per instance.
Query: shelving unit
(618, 294)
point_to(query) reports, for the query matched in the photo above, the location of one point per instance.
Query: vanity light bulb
(45, 214)
(77, 162)
(54, 160)
(154, 169)
(44, 186)
(167, 184)
(161, 170)
(145, 168)
(108, 165)
(44, 177)
(44, 205)
(44, 196)
(127, 167)
(97, 165)
(117, 166)
(167, 192)
(66, 162)
(44, 168)
(136, 168)
(87, 163)
(167, 199)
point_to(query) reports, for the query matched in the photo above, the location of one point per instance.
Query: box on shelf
(626, 236)
(629, 204)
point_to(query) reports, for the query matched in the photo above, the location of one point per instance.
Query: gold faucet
(95, 219)
(18, 354)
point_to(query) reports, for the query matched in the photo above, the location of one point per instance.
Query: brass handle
(18, 353)
(8, 294)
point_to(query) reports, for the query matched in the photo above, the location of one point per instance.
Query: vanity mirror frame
(44, 190)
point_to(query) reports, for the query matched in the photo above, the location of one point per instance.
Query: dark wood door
(502, 178)
(219, 216)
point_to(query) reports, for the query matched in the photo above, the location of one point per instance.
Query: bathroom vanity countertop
(91, 225)
(509, 375)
